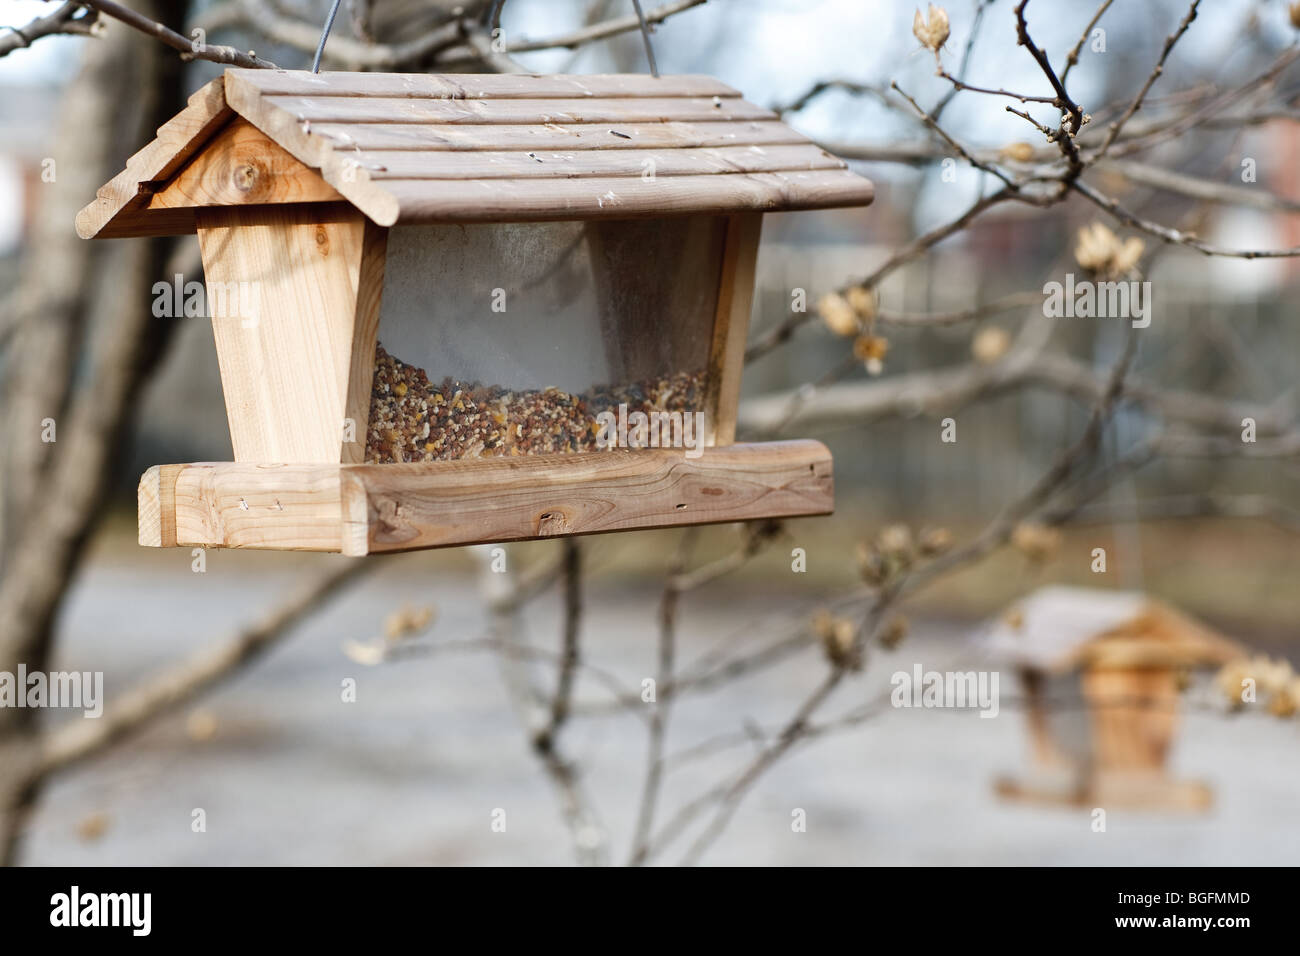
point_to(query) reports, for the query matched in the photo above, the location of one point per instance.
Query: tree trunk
(85, 343)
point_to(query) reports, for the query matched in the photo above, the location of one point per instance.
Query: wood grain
(368, 509)
(119, 205)
(241, 166)
(515, 200)
(429, 149)
(1133, 716)
(383, 109)
(277, 507)
(480, 85)
(1143, 791)
(578, 163)
(441, 137)
(365, 337)
(156, 503)
(300, 365)
(731, 324)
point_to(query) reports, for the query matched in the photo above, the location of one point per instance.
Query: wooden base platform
(369, 509)
(1129, 791)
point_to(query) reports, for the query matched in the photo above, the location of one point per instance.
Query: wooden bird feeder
(431, 293)
(1101, 672)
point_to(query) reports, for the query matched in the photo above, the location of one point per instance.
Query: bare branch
(916, 247)
(790, 734)
(1168, 234)
(825, 86)
(1063, 100)
(976, 22)
(1073, 57)
(341, 49)
(214, 53)
(69, 19)
(1170, 42)
(79, 739)
(1010, 303)
(668, 603)
(1194, 187)
(961, 151)
(604, 30)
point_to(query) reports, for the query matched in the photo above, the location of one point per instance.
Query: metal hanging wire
(645, 35)
(325, 35)
(494, 24)
(494, 19)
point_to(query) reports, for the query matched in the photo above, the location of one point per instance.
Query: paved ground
(412, 771)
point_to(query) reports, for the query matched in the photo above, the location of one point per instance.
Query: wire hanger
(494, 19)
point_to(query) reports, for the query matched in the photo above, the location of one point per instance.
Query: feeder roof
(423, 148)
(1059, 629)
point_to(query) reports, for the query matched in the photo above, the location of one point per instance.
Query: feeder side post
(1134, 715)
(365, 338)
(156, 500)
(731, 324)
(300, 364)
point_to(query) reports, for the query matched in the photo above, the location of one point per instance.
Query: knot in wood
(246, 177)
(552, 522)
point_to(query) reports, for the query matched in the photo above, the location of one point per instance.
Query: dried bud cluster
(863, 302)
(406, 622)
(895, 549)
(849, 313)
(1100, 251)
(1273, 680)
(1038, 542)
(1019, 152)
(838, 315)
(990, 344)
(838, 636)
(932, 30)
(871, 350)
(894, 633)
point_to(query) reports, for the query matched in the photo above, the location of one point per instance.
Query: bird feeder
(1101, 673)
(473, 308)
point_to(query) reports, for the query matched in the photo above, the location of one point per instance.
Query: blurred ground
(412, 771)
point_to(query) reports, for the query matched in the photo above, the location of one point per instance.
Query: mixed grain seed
(413, 419)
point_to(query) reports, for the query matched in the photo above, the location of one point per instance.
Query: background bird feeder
(1101, 672)
(425, 290)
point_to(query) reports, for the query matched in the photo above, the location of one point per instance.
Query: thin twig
(976, 22)
(69, 19)
(961, 150)
(1168, 234)
(604, 30)
(77, 740)
(782, 333)
(1073, 57)
(1170, 42)
(668, 604)
(187, 48)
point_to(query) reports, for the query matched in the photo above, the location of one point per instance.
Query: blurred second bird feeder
(459, 309)
(1102, 673)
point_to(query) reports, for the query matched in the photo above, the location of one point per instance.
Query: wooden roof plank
(488, 148)
(550, 164)
(445, 137)
(390, 109)
(175, 142)
(516, 200)
(481, 85)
